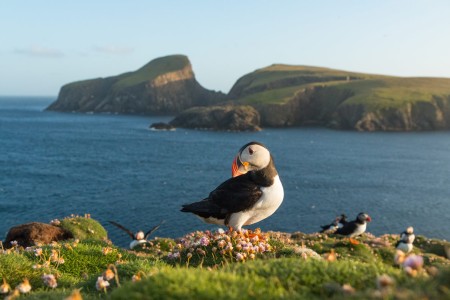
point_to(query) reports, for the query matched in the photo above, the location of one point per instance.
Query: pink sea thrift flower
(50, 280)
(101, 284)
(240, 256)
(204, 241)
(415, 262)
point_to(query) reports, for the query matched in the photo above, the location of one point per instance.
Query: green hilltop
(153, 69)
(287, 95)
(279, 83)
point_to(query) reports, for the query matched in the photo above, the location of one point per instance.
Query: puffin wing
(148, 233)
(234, 195)
(325, 227)
(347, 229)
(130, 233)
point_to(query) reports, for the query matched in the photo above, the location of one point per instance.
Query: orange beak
(237, 166)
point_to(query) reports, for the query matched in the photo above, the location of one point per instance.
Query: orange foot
(256, 233)
(353, 241)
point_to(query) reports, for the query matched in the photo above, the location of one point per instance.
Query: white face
(139, 235)
(254, 157)
(364, 217)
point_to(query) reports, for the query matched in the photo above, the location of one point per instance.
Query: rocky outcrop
(229, 118)
(417, 116)
(161, 126)
(166, 85)
(32, 234)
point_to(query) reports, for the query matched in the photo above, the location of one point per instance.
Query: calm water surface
(56, 164)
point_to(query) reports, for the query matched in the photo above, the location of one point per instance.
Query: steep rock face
(326, 106)
(166, 85)
(233, 118)
(417, 116)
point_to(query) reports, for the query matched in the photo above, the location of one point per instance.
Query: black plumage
(234, 195)
(356, 227)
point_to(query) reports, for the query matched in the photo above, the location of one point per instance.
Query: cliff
(304, 96)
(166, 85)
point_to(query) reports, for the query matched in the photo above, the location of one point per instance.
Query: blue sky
(46, 44)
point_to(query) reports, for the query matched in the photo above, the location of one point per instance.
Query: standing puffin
(253, 193)
(406, 240)
(139, 237)
(355, 228)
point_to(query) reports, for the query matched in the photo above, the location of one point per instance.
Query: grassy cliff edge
(248, 265)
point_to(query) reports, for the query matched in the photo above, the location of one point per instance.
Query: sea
(113, 167)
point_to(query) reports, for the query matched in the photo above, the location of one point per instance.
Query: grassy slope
(152, 70)
(375, 91)
(148, 72)
(289, 270)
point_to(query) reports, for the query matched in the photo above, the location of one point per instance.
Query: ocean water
(53, 165)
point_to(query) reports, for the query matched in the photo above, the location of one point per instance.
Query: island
(281, 96)
(165, 85)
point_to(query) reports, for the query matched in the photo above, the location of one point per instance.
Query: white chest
(268, 204)
(359, 230)
(405, 247)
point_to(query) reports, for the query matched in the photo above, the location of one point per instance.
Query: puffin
(253, 193)
(329, 227)
(405, 243)
(139, 237)
(337, 223)
(354, 228)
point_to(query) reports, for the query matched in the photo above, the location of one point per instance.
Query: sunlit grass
(219, 265)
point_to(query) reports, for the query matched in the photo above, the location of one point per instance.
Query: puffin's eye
(250, 150)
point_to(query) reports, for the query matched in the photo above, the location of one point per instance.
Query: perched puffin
(139, 237)
(354, 228)
(337, 223)
(406, 240)
(253, 193)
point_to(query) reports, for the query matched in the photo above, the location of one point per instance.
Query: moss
(84, 228)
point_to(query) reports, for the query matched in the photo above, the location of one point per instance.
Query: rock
(166, 85)
(35, 233)
(230, 118)
(161, 126)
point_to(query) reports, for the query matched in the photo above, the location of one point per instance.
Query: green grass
(275, 96)
(152, 70)
(205, 268)
(277, 84)
(84, 228)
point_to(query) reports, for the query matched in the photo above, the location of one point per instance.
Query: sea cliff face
(164, 86)
(417, 116)
(325, 106)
